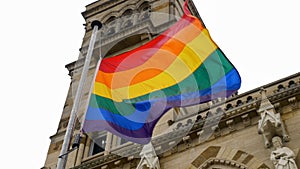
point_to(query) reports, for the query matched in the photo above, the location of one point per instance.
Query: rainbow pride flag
(181, 67)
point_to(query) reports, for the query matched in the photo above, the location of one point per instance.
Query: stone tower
(246, 134)
(126, 25)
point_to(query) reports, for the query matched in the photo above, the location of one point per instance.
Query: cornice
(104, 6)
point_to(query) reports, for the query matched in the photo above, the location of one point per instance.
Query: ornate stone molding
(217, 157)
(224, 163)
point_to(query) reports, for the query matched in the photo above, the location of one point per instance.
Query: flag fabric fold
(181, 67)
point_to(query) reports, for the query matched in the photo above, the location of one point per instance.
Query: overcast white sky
(38, 38)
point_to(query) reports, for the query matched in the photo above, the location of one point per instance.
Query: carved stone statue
(282, 157)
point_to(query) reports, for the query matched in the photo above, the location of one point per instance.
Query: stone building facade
(247, 130)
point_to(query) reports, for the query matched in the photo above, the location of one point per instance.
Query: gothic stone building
(242, 131)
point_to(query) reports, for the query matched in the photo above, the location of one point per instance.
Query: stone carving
(215, 163)
(270, 123)
(282, 157)
(148, 158)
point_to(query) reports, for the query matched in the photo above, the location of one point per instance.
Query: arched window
(280, 88)
(179, 125)
(189, 122)
(110, 27)
(220, 110)
(239, 103)
(229, 106)
(249, 99)
(292, 83)
(199, 118)
(110, 20)
(127, 13)
(208, 114)
(145, 6)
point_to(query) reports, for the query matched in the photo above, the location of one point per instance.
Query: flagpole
(62, 160)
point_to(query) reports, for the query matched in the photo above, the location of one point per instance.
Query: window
(249, 99)
(128, 13)
(280, 88)
(239, 103)
(98, 144)
(292, 83)
(229, 106)
(122, 141)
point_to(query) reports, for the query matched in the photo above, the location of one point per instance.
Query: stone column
(114, 141)
(172, 10)
(118, 24)
(80, 151)
(108, 143)
(135, 18)
(87, 147)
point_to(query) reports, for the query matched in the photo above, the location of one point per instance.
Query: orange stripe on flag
(159, 61)
(162, 59)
